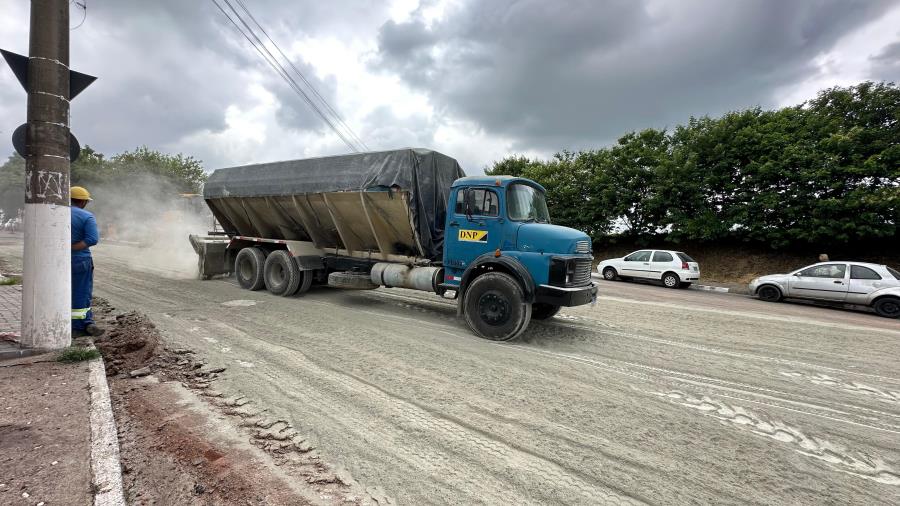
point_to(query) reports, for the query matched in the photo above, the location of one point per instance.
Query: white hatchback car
(877, 286)
(674, 268)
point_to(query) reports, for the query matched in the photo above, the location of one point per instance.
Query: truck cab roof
(502, 181)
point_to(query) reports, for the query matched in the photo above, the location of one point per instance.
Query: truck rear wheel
(540, 311)
(248, 268)
(495, 307)
(282, 275)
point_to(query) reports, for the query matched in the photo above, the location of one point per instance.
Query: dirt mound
(131, 339)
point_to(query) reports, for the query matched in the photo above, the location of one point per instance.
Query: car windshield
(526, 203)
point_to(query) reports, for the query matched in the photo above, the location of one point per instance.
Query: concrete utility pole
(47, 275)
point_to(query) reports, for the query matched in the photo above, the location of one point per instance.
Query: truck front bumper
(559, 296)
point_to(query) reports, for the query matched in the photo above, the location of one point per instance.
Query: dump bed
(384, 203)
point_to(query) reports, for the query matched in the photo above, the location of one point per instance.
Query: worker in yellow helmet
(84, 235)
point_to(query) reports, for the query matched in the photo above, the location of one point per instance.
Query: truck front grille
(582, 272)
(570, 272)
(583, 247)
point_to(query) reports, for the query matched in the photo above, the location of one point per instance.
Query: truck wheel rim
(493, 309)
(278, 274)
(246, 270)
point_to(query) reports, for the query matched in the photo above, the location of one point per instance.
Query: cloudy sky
(476, 80)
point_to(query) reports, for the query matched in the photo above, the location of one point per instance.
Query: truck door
(474, 228)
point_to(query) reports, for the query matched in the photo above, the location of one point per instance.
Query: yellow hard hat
(79, 193)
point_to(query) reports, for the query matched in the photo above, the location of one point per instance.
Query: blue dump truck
(406, 218)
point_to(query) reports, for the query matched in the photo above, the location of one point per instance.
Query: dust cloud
(150, 219)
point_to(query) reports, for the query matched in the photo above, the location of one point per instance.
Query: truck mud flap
(211, 255)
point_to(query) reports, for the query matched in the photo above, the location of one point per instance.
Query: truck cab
(504, 259)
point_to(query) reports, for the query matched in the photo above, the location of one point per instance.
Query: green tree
(826, 172)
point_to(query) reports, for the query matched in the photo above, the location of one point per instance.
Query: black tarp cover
(426, 174)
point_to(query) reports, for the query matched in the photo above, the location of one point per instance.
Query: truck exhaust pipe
(403, 276)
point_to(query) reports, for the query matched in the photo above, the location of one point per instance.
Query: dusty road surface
(646, 397)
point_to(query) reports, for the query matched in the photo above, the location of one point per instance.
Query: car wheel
(889, 307)
(609, 274)
(671, 280)
(769, 293)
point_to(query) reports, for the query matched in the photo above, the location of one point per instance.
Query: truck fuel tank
(404, 276)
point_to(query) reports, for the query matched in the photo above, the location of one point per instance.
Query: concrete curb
(705, 288)
(708, 288)
(16, 352)
(106, 469)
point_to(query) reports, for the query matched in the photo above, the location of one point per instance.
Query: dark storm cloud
(886, 64)
(555, 75)
(169, 69)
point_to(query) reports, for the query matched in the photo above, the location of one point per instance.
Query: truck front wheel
(248, 268)
(495, 307)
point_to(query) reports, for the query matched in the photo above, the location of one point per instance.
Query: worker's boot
(94, 330)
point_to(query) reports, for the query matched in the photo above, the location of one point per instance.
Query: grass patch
(78, 354)
(12, 280)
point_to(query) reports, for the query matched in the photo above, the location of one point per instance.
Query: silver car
(877, 286)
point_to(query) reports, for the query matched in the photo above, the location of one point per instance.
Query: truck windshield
(527, 203)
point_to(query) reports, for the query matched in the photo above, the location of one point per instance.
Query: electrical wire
(309, 85)
(285, 75)
(279, 69)
(83, 5)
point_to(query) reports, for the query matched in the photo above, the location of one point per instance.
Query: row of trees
(142, 172)
(826, 172)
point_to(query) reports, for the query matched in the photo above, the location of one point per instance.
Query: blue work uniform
(84, 228)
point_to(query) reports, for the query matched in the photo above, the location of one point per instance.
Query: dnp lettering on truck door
(473, 235)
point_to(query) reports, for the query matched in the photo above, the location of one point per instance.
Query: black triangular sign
(19, 65)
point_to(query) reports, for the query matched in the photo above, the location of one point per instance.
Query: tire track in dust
(663, 377)
(772, 397)
(734, 354)
(456, 436)
(889, 396)
(837, 456)
(572, 322)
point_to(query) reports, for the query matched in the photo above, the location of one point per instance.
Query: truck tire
(495, 307)
(248, 268)
(281, 273)
(305, 281)
(540, 311)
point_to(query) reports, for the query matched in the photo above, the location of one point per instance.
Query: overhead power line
(324, 102)
(348, 137)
